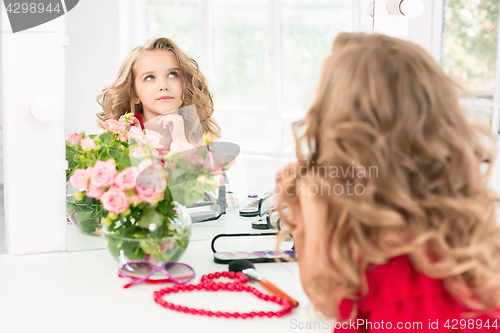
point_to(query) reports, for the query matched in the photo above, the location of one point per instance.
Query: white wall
(92, 60)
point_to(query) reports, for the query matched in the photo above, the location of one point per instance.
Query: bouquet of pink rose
(127, 182)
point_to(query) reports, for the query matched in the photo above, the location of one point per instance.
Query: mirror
(262, 74)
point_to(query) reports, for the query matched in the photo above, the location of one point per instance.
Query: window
(178, 20)
(262, 58)
(469, 54)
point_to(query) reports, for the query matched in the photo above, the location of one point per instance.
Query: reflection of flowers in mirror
(125, 170)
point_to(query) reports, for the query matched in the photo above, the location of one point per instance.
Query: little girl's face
(157, 84)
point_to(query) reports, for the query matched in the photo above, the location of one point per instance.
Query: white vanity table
(71, 292)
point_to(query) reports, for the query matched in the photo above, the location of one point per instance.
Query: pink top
(399, 295)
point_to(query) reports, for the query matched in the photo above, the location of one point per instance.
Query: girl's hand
(131, 122)
(175, 124)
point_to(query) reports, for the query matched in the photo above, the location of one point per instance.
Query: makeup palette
(206, 211)
(260, 224)
(227, 254)
(251, 210)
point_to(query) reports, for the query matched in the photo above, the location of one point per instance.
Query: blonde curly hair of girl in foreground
(116, 99)
(385, 103)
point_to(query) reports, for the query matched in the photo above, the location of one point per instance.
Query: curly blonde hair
(385, 103)
(116, 99)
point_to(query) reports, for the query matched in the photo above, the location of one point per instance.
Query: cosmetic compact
(205, 211)
(255, 247)
(270, 218)
(261, 224)
(251, 209)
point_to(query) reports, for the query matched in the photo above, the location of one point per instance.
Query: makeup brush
(246, 267)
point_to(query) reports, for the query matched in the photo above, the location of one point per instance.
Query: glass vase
(156, 250)
(85, 214)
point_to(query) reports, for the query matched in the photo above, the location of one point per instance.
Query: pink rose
(217, 160)
(125, 180)
(137, 134)
(144, 165)
(113, 125)
(153, 138)
(152, 167)
(205, 162)
(79, 179)
(103, 173)
(114, 201)
(150, 190)
(94, 192)
(123, 137)
(87, 143)
(178, 146)
(137, 152)
(151, 181)
(74, 138)
(134, 199)
(149, 171)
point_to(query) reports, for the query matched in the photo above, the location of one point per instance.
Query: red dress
(139, 117)
(402, 299)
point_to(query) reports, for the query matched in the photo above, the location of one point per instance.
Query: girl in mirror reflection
(166, 91)
(392, 218)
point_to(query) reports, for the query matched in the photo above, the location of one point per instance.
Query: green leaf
(69, 209)
(70, 153)
(133, 250)
(125, 161)
(105, 137)
(89, 201)
(82, 216)
(115, 153)
(151, 216)
(177, 172)
(189, 198)
(149, 246)
(88, 226)
(183, 164)
(114, 246)
(165, 207)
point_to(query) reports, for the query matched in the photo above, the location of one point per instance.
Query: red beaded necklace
(208, 284)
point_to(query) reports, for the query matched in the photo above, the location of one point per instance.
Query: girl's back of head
(386, 111)
(117, 99)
